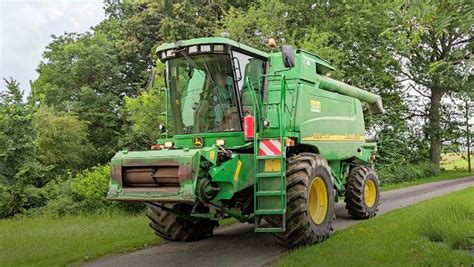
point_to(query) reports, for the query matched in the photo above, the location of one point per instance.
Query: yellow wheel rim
(318, 200)
(370, 193)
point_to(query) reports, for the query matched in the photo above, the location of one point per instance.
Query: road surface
(239, 245)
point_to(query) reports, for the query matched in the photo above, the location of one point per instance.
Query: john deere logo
(197, 141)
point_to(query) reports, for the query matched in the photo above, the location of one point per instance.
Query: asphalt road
(239, 245)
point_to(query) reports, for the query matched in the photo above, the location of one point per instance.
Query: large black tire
(171, 227)
(301, 230)
(358, 205)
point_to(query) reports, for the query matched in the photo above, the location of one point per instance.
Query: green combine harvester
(267, 138)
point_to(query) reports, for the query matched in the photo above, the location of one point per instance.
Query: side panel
(334, 123)
(232, 176)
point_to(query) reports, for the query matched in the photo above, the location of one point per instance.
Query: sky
(26, 28)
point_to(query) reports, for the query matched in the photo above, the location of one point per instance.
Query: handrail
(281, 105)
(253, 96)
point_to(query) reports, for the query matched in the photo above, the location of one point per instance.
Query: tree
(62, 141)
(20, 172)
(136, 28)
(81, 74)
(145, 113)
(17, 150)
(433, 42)
(349, 35)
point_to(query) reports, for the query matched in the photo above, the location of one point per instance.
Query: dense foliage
(93, 95)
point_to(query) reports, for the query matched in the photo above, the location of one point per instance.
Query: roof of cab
(210, 40)
(325, 66)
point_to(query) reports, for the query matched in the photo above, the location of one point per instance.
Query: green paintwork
(318, 113)
(232, 139)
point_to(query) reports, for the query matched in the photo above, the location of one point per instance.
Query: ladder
(270, 158)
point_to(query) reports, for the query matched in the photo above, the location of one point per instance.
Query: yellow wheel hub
(318, 200)
(370, 193)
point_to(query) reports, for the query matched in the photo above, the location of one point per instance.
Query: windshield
(202, 95)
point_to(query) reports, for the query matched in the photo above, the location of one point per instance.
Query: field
(436, 232)
(452, 161)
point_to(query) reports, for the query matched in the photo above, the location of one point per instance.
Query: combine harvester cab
(266, 138)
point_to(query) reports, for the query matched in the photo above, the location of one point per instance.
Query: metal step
(269, 174)
(270, 212)
(269, 229)
(269, 193)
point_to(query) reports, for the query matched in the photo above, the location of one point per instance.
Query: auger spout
(374, 101)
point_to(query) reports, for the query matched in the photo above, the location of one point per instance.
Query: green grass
(445, 175)
(45, 241)
(430, 233)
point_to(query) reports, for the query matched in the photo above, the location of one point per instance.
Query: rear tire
(174, 228)
(307, 222)
(362, 192)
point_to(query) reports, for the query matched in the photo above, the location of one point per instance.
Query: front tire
(362, 192)
(174, 228)
(310, 201)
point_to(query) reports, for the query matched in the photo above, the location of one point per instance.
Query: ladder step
(269, 174)
(269, 229)
(269, 193)
(269, 211)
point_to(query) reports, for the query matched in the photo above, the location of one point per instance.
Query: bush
(90, 187)
(89, 191)
(84, 193)
(19, 198)
(397, 173)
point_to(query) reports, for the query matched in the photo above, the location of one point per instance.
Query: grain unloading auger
(266, 138)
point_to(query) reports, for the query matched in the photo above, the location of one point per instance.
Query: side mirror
(162, 128)
(238, 72)
(288, 54)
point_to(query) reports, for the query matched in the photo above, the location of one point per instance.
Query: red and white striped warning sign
(269, 147)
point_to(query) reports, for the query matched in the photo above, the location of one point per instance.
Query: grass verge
(446, 175)
(45, 241)
(430, 233)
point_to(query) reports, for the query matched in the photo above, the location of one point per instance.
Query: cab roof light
(219, 48)
(193, 49)
(205, 48)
